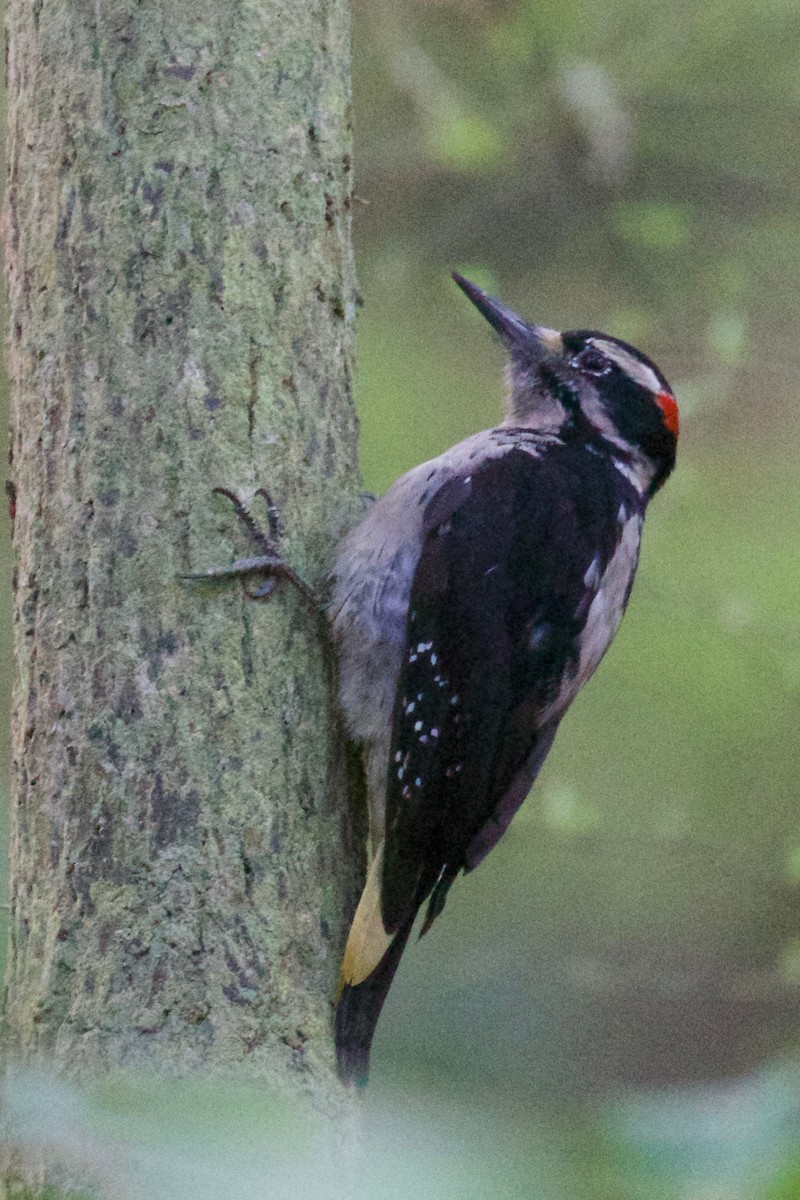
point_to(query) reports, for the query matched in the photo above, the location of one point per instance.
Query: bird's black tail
(358, 1009)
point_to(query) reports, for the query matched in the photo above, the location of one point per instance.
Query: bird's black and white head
(586, 384)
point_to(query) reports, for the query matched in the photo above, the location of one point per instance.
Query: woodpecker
(469, 607)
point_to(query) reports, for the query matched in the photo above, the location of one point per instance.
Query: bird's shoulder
(536, 507)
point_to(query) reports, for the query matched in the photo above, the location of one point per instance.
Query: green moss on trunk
(181, 307)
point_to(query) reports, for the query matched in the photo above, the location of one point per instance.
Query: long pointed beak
(516, 333)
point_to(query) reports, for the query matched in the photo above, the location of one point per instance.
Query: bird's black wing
(497, 604)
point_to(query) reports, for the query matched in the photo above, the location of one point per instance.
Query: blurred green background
(610, 1007)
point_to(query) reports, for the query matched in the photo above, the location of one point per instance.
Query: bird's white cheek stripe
(634, 368)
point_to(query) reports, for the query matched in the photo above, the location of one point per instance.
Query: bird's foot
(269, 564)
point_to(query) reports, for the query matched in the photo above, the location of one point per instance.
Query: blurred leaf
(726, 336)
(653, 225)
(786, 1187)
(467, 142)
(564, 809)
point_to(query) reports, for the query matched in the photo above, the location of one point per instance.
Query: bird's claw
(269, 564)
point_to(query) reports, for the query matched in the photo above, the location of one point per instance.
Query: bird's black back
(498, 603)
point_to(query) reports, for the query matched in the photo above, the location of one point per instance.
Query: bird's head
(585, 384)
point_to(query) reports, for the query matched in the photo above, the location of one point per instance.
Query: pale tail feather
(358, 1009)
(370, 962)
(368, 940)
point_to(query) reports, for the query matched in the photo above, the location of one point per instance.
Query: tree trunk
(181, 309)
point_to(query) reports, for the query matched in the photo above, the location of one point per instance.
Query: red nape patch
(669, 407)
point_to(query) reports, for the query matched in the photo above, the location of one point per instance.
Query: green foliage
(139, 1137)
(786, 1187)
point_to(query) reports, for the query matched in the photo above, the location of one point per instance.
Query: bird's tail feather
(358, 1009)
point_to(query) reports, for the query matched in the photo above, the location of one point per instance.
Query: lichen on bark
(182, 303)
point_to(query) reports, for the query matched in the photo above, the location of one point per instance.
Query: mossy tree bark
(181, 307)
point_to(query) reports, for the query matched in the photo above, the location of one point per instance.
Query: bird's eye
(592, 361)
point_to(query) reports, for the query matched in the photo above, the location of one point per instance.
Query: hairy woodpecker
(469, 608)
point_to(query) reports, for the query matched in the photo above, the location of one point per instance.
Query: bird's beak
(517, 334)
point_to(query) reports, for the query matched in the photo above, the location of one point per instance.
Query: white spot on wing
(538, 635)
(592, 577)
